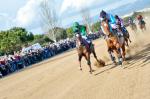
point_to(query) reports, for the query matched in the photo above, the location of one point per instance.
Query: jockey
(111, 19)
(130, 21)
(120, 22)
(80, 32)
(140, 19)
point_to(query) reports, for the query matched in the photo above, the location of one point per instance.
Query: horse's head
(78, 39)
(106, 27)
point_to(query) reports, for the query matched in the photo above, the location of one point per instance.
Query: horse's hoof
(90, 72)
(80, 68)
(115, 63)
(119, 63)
(125, 62)
(99, 63)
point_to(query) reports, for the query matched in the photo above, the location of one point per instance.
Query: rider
(120, 22)
(130, 21)
(140, 19)
(111, 20)
(80, 32)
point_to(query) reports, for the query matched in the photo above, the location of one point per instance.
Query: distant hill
(139, 5)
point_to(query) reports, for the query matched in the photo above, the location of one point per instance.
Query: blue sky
(26, 13)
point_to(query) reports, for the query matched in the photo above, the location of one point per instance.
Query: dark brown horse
(84, 51)
(142, 25)
(127, 39)
(122, 39)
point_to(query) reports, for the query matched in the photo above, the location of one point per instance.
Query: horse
(112, 43)
(127, 39)
(133, 27)
(125, 34)
(122, 39)
(86, 51)
(141, 24)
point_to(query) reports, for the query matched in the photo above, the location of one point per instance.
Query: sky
(26, 13)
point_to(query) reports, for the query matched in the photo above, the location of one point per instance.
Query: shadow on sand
(143, 56)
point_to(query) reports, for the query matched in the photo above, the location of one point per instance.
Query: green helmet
(75, 24)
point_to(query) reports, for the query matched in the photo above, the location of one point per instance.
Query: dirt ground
(60, 78)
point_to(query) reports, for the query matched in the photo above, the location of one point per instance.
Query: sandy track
(60, 78)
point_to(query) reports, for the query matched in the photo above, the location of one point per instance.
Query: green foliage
(42, 39)
(14, 39)
(46, 39)
(69, 32)
(60, 34)
(96, 27)
(17, 37)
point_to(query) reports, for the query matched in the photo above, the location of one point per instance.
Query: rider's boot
(112, 57)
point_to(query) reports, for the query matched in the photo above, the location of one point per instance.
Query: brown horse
(86, 51)
(142, 25)
(112, 43)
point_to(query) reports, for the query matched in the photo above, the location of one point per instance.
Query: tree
(60, 33)
(85, 13)
(14, 39)
(96, 27)
(69, 32)
(42, 39)
(49, 18)
(30, 36)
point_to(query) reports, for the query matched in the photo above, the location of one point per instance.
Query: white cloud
(6, 21)
(118, 4)
(77, 4)
(28, 14)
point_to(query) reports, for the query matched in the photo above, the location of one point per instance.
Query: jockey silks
(111, 20)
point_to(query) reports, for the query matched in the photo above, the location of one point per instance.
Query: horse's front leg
(123, 55)
(80, 57)
(119, 55)
(110, 52)
(123, 52)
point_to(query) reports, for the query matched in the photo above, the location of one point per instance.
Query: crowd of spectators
(17, 61)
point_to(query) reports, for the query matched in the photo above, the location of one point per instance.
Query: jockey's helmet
(103, 14)
(130, 18)
(75, 24)
(116, 17)
(139, 17)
